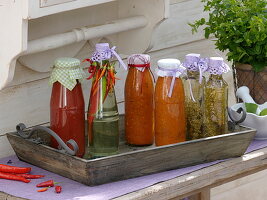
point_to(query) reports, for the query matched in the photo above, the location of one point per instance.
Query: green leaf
(263, 112)
(251, 107)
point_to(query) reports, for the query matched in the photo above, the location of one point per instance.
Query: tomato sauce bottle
(139, 105)
(170, 121)
(67, 111)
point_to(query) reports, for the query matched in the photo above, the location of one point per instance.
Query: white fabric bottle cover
(170, 67)
(140, 61)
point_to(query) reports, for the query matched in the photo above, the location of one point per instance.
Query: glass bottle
(103, 116)
(194, 86)
(170, 122)
(67, 112)
(139, 105)
(216, 99)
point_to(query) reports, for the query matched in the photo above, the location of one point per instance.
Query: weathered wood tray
(132, 161)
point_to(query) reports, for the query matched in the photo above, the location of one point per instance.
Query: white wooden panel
(27, 103)
(5, 147)
(24, 74)
(175, 30)
(35, 11)
(3, 2)
(60, 23)
(45, 3)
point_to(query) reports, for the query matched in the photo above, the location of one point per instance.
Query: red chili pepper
(91, 70)
(13, 169)
(30, 176)
(58, 189)
(88, 60)
(42, 190)
(13, 177)
(49, 183)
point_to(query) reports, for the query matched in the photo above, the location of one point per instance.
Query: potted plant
(240, 28)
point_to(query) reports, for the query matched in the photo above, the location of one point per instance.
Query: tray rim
(152, 148)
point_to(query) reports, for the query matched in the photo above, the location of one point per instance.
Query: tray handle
(64, 147)
(234, 122)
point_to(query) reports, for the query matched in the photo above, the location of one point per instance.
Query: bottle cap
(217, 66)
(138, 59)
(67, 71)
(191, 62)
(67, 63)
(169, 63)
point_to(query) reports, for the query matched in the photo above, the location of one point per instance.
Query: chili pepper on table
(13, 169)
(49, 183)
(9, 176)
(58, 189)
(42, 190)
(30, 176)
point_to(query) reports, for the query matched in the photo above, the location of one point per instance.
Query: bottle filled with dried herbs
(216, 99)
(194, 85)
(103, 116)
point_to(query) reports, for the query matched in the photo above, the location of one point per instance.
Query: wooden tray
(132, 161)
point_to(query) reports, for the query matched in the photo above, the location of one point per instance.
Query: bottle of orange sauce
(139, 105)
(170, 120)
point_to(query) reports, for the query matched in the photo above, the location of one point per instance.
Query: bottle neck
(216, 77)
(193, 74)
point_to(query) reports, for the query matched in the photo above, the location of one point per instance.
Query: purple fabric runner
(73, 190)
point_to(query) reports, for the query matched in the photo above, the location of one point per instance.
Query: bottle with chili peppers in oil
(67, 111)
(139, 105)
(103, 116)
(170, 121)
(194, 85)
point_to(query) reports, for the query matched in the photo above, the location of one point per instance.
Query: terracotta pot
(255, 81)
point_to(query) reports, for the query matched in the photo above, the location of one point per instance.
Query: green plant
(240, 27)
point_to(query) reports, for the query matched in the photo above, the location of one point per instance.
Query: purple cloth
(104, 52)
(73, 190)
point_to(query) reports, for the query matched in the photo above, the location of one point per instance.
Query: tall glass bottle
(194, 86)
(216, 99)
(67, 112)
(103, 116)
(139, 101)
(170, 122)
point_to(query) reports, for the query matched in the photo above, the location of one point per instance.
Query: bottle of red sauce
(170, 124)
(67, 111)
(139, 101)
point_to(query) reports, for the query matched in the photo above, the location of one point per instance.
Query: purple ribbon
(217, 66)
(172, 72)
(203, 67)
(103, 52)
